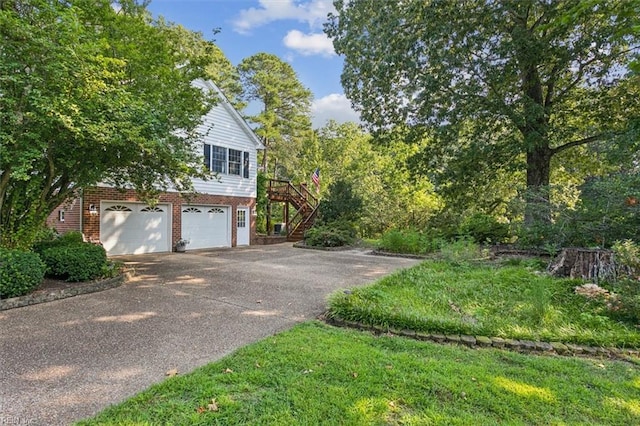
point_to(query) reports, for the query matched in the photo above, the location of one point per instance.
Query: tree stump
(588, 264)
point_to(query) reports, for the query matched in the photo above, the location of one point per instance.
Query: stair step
(300, 198)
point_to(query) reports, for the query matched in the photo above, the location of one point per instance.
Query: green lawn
(513, 301)
(316, 374)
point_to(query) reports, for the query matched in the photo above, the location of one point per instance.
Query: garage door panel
(128, 228)
(206, 227)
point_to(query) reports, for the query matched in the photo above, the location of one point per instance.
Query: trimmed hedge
(73, 237)
(75, 261)
(20, 272)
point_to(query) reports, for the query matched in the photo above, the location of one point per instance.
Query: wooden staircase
(304, 203)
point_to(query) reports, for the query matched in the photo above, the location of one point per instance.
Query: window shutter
(207, 156)
(245, 165)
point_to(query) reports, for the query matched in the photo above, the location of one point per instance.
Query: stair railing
(305, 203)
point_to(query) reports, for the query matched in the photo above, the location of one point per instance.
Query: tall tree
(218, 67)
(284, 119)
(378, 176)
(518, 81)
(90, 91)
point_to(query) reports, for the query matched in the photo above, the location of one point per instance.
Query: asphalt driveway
(66, 360)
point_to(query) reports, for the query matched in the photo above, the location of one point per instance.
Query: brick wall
(93, 196)
(71, 209)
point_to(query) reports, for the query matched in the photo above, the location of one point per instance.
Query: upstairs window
(218, 159)
(235, 162)
(226, 160)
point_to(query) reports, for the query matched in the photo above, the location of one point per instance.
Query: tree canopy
(377, 174)
(91, 91)
(284, 118)
(499, 86)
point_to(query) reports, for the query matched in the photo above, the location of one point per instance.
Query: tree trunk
(588, 264)
(534, 131)
(538, 208)
(264, 157)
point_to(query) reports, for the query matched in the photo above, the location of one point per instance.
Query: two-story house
(220, 214)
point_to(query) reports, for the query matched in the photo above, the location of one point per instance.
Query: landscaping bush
(76, 261)
(72, 237)
(333, 234)
(55, 240)
(20, 272)
(484, 228)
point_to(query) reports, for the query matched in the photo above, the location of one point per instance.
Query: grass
(509, 301)
(317, 374)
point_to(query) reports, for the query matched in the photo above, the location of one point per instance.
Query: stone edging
(405, 255)
(525, 346)
(302, 245)
(49, 296)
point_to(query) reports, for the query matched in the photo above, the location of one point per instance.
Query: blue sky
(290, 29)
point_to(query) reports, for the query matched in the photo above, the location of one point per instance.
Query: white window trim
(240, 165)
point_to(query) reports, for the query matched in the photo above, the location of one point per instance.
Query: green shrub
(55, 240)
(261, 203)
(607, 211)
(625, 305)
(401, 241)
(340, 203)
(409, 241)
(76, 261)
(46, 234)
(334, 234)
(627, 255)
(484, 228)
(72, 237)
(463, 251)
(20, 272)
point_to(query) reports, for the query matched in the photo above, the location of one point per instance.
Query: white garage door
(206, 226)
(131, 228)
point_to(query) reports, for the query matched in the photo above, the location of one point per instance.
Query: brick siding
(93, 196)
(72, 210)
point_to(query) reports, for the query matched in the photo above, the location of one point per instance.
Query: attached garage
(134, 228)
(206, 226)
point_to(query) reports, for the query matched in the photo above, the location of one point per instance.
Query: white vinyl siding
(223, 127)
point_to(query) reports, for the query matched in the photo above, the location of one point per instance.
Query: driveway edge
(51, 295)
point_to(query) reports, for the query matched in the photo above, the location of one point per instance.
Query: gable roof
(226, 104)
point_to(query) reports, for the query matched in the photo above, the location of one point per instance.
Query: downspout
(81, 199)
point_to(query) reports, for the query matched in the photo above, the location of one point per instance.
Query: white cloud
(336, 107)
(309, 44)
(313, 12)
